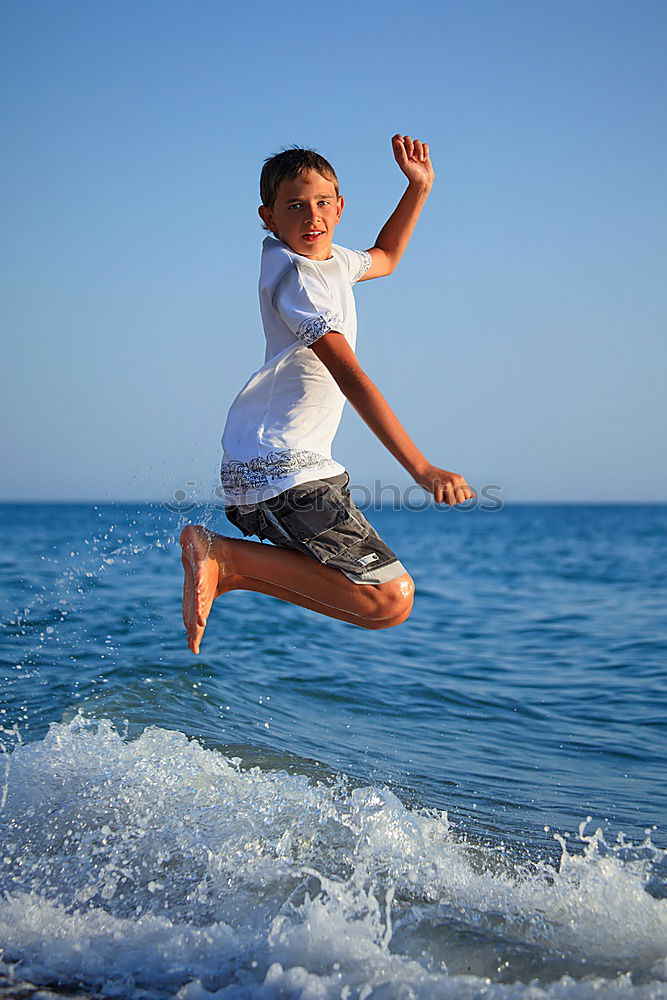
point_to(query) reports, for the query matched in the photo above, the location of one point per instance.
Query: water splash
(155, 868)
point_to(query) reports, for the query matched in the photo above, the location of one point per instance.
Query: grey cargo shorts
(321, 519)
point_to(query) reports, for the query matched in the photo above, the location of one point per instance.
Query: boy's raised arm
(413, 158)
(336, 354)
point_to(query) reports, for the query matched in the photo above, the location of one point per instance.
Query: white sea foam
(154, 867)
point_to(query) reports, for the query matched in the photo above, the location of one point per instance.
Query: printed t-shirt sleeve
(357, 262)
(305, 304)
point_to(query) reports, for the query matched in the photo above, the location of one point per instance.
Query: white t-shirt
(281, 425)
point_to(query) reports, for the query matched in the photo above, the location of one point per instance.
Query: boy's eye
(299, 204)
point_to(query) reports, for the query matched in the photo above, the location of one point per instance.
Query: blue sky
(521, 340)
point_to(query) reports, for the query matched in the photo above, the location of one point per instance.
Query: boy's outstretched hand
(446, 487)
(413, 158)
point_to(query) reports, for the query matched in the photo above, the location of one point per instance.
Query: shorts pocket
(323, 524)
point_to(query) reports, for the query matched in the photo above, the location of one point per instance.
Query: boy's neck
(316, 259)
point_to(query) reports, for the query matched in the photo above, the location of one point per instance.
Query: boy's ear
(341, 206)
(266, 216)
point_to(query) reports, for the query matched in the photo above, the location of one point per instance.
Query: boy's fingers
(451, 493)
(412, 148)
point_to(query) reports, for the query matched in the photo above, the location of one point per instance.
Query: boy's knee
(395, 600)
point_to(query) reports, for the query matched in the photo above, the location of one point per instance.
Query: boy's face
(305, 214)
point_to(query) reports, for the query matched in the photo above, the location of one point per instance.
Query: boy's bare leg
(214, 565)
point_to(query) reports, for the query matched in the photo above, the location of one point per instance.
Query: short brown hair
(289, 164)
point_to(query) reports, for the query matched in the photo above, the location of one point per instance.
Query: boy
(280, 482)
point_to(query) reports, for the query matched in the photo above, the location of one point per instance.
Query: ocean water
(471, 805)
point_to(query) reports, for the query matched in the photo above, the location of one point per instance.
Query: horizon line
(204, 503)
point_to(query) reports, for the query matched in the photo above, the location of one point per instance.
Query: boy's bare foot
(200, 582)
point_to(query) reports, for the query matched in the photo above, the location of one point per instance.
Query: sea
(471, 805)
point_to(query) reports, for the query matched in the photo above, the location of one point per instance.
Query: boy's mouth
(313, 234)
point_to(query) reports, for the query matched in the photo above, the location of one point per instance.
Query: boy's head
(301, 202)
